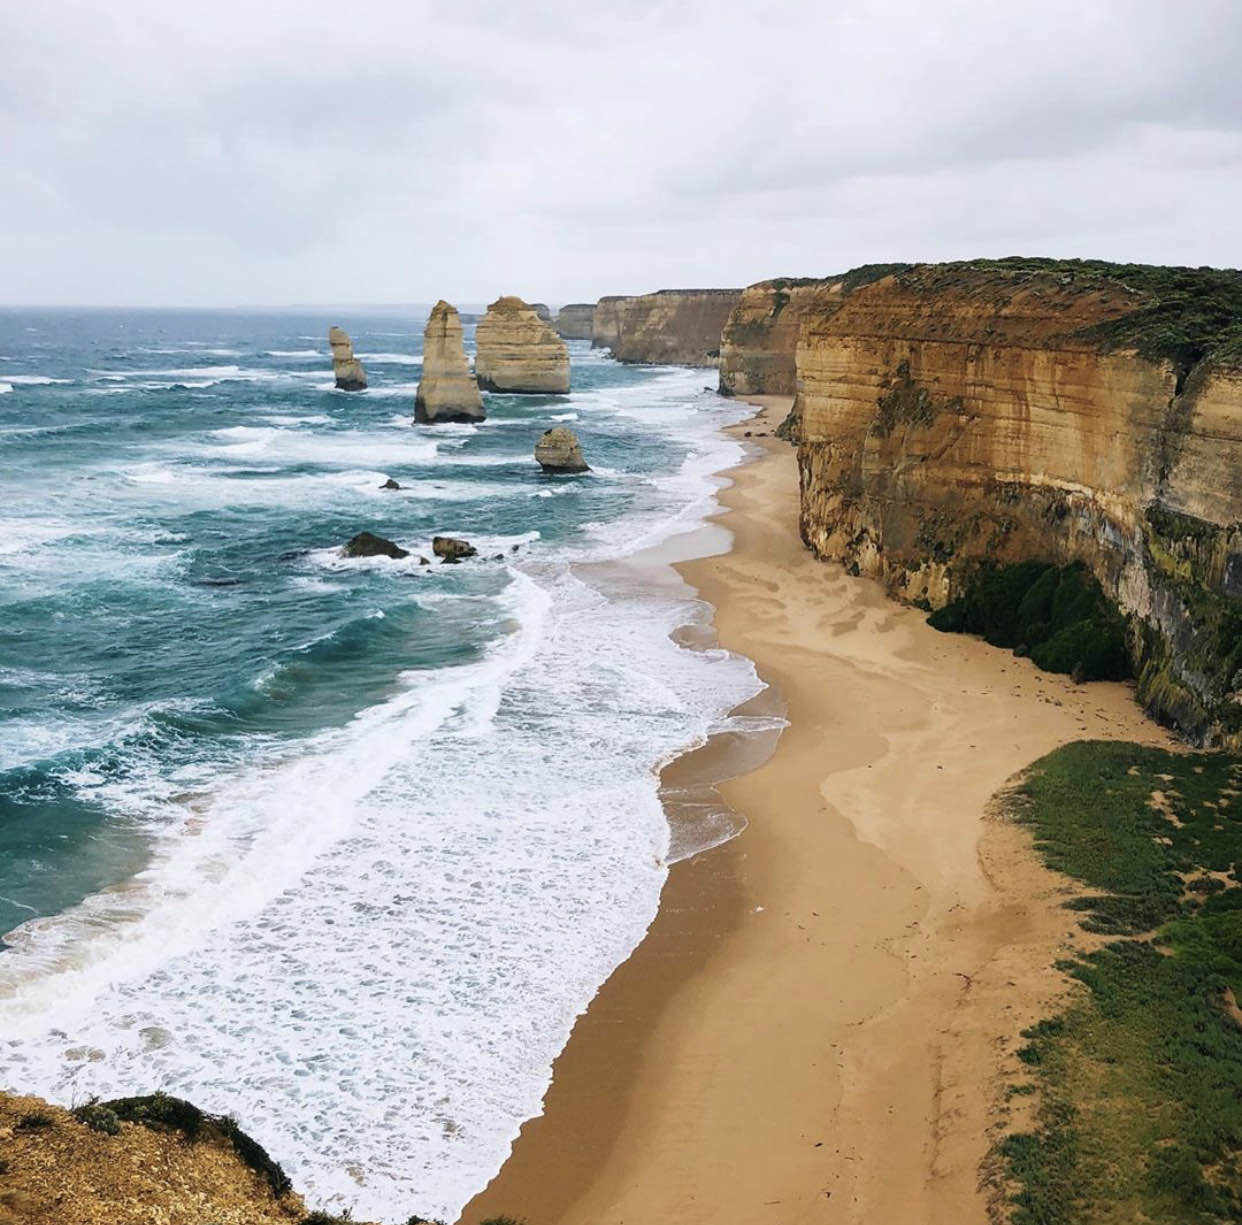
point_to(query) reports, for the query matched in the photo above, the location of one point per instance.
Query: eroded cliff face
(759, 342)
(606, 321)
(575, 321)
(760, 337)
(959, 414)
(678, 327)
(515, 350)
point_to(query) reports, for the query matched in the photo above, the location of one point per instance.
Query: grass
(1056, 614)
(1139, 1079)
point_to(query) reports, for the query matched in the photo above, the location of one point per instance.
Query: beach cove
(818, 1023)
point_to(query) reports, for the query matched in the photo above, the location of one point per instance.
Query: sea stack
(350, 375)
(447, 391)
(518, 351)
(558, 450)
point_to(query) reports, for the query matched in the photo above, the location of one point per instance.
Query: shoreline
(816, 1024)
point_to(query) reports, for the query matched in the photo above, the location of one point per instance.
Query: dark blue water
(338, 846)
(168, 492)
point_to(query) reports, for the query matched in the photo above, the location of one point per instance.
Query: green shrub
(36, 1120)
(1058, 615)
(98, 1118)
(162, 1110)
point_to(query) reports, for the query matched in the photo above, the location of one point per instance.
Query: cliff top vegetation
(1180, 315)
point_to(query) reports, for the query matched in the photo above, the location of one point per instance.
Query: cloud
(406, 151)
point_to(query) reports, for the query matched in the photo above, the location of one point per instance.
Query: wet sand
(818, 1024)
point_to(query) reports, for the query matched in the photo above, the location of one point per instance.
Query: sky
(398, 151)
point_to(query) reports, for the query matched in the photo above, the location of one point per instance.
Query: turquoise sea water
(340, 847)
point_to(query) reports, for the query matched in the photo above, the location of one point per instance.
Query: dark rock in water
(293, 555)
(558, 451)
(390, 484)
(217, 582)
(366, 544)
(423, 561)
(498, 557)
(450, 549)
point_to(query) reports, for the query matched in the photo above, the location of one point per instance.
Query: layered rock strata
(558, 450)
(515, 350)
(957, 415)
(575, 321)
(760, 338)
(447, 391)
(679, 327)
(348, 370)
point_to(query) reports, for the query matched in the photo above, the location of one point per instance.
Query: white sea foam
(393, 359)
(32, 380)
(5, 387)
(294, 353)
(370, 946)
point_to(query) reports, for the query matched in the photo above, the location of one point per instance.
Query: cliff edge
(962, 415)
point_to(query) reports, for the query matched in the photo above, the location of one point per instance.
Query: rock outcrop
(447, 391)
(956, 416)
(760, 337)
(133, 1162)
(543, 310)
(518, 351)
(452, 549)
(367, 544)
(677, 327)
(348, 370)
(606, 321)
(558, 450)
(575, 321)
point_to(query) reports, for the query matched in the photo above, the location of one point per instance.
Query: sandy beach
(818, 1023)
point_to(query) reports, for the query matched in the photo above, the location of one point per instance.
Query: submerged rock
(518, 351)
(558, 450)
(390, 484)
(450, 549)
(447, 390)
(350, 375)
(367, 544)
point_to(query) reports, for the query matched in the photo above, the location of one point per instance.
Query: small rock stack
(350, 375)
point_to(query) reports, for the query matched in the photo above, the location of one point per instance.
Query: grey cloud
(408, 149)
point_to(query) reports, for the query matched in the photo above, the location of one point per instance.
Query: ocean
(338, 847)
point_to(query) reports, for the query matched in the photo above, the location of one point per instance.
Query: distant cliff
(575, 321)
(958, 415)
(679, 327)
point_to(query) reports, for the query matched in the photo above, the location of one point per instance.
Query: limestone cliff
(678, 327)
(348, 370)
(954, 415)
(606, 321)
(575, 321)
(447, 390)
(760, 337)
(518, 351)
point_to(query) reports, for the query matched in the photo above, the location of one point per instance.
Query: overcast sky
(298, 151)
